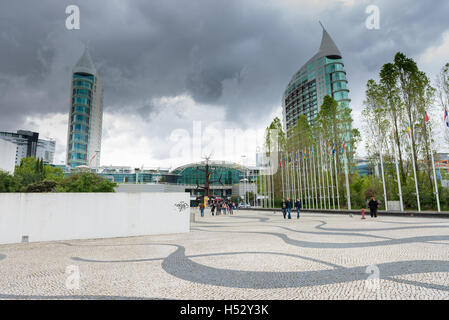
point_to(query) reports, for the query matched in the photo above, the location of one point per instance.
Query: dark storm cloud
(238, 54)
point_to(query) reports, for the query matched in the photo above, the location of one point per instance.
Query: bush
(42, 186)
(87, 182)
(8, 183)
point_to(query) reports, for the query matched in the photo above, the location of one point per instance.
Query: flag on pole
(446, 118)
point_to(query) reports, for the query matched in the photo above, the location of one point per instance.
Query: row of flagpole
(301, 177)
(309, 176)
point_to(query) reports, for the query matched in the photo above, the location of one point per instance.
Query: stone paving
(249, 255)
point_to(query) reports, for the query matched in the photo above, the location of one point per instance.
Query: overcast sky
(168, 66)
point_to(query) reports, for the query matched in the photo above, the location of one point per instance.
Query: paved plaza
(249, 255)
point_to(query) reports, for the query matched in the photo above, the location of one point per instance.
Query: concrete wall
(66, 216)
(7, 156)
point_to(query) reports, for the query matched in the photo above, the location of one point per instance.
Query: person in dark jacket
(298, 207)
(373, 205)
(284, 207)
(289, 207)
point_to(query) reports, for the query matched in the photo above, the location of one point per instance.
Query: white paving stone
(250, 255)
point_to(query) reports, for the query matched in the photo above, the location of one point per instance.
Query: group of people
(287, 207)
(219, 207)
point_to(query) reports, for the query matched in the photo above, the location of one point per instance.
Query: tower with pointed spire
(86, 115)
(322, 75)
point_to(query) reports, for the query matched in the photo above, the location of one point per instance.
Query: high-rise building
(322, 75)
(86, 115)
(28, 144)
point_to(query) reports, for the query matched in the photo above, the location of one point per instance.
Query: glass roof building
(322, 75)
(224, 175)
(86, 115)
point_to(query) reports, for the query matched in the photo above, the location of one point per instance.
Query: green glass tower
(85, 116)
(322, 75)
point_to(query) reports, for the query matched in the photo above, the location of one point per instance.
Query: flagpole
(383, 177)
(287, 175)
(332, 179)
(306, 184)
(272, 185)
(327, 182)
(292, 178)
(348, 193)
(299, 177)
(292, 172)
(315, 195)
(282, 175)
(414, 171)
(322, 175)
(309, 183)
(436, 184)
(336, 178)
(319, 179)
(397, 173)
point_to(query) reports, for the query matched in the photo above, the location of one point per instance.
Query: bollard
(363, 213)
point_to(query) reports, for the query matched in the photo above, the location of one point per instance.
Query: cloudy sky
(184, 79)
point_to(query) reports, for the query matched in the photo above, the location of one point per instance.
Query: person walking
(289, 207)
(373, 205)
(284, 207)
(298, 207)
(212, 208)
(202, 209)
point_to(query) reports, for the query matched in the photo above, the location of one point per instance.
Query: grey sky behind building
(165, 64)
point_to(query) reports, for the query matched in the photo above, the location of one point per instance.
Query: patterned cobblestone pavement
(249, 255)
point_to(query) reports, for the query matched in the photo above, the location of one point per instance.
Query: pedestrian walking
(202, 209)
(212, 208)
(298, 208)
(373, 205)
(289, 207)
(284, 207)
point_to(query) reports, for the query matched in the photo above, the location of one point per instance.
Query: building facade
(28, 144)
(322, 75)
(85, 116)
(7, 156)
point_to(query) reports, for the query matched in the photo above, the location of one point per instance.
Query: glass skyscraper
(322, 75)
(86, 115)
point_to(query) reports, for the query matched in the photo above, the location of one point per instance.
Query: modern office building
(322, 75)
(85, 116)
(7, 156)
(28, 144)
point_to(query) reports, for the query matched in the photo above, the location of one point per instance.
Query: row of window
(80, 128)
(81, 109)
(81, 92)
(79, 147)
(78, 156)
(83, 84)
(79, 137)
(79, 100)
(80, 118)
